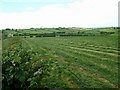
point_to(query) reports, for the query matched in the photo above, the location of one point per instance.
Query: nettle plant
(22, 68)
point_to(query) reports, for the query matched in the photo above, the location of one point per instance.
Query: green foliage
(20, 69)
(53, 32)
(88, 61)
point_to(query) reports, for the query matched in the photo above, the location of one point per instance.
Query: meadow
(67, 61)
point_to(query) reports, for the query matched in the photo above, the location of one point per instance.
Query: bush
(20, 69)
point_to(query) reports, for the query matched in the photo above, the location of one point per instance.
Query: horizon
(20, 14)
(57, 27)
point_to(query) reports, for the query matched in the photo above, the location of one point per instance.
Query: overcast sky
(58, 13)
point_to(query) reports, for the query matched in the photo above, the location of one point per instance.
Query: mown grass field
(62, 62)
(86, 61)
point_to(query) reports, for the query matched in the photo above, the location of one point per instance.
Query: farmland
(64, 61)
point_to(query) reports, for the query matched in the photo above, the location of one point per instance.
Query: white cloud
(95, 13)
(11, 0)
(19, 0)
(29, 9)
(36, 1)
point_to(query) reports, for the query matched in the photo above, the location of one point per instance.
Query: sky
(58, 13)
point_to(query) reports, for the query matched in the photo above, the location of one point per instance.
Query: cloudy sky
(58, 13)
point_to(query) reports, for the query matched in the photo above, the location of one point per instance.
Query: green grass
(70, 62)
(106, 69)
(66, 30)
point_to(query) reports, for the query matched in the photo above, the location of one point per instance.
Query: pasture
(61, 62)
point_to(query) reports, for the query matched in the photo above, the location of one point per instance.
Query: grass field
(61, 62)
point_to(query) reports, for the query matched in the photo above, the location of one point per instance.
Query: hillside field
(88, 61)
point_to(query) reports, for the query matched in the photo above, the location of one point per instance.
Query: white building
(10, 35)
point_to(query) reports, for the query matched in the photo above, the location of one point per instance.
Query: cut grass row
(91, 65)
(91, 55)
(48, 57)
(100, 54)
(47, 44)
(78, 42)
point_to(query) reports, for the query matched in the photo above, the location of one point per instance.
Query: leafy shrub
(21, 68)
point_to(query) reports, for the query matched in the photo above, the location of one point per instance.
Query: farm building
(10, 35)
